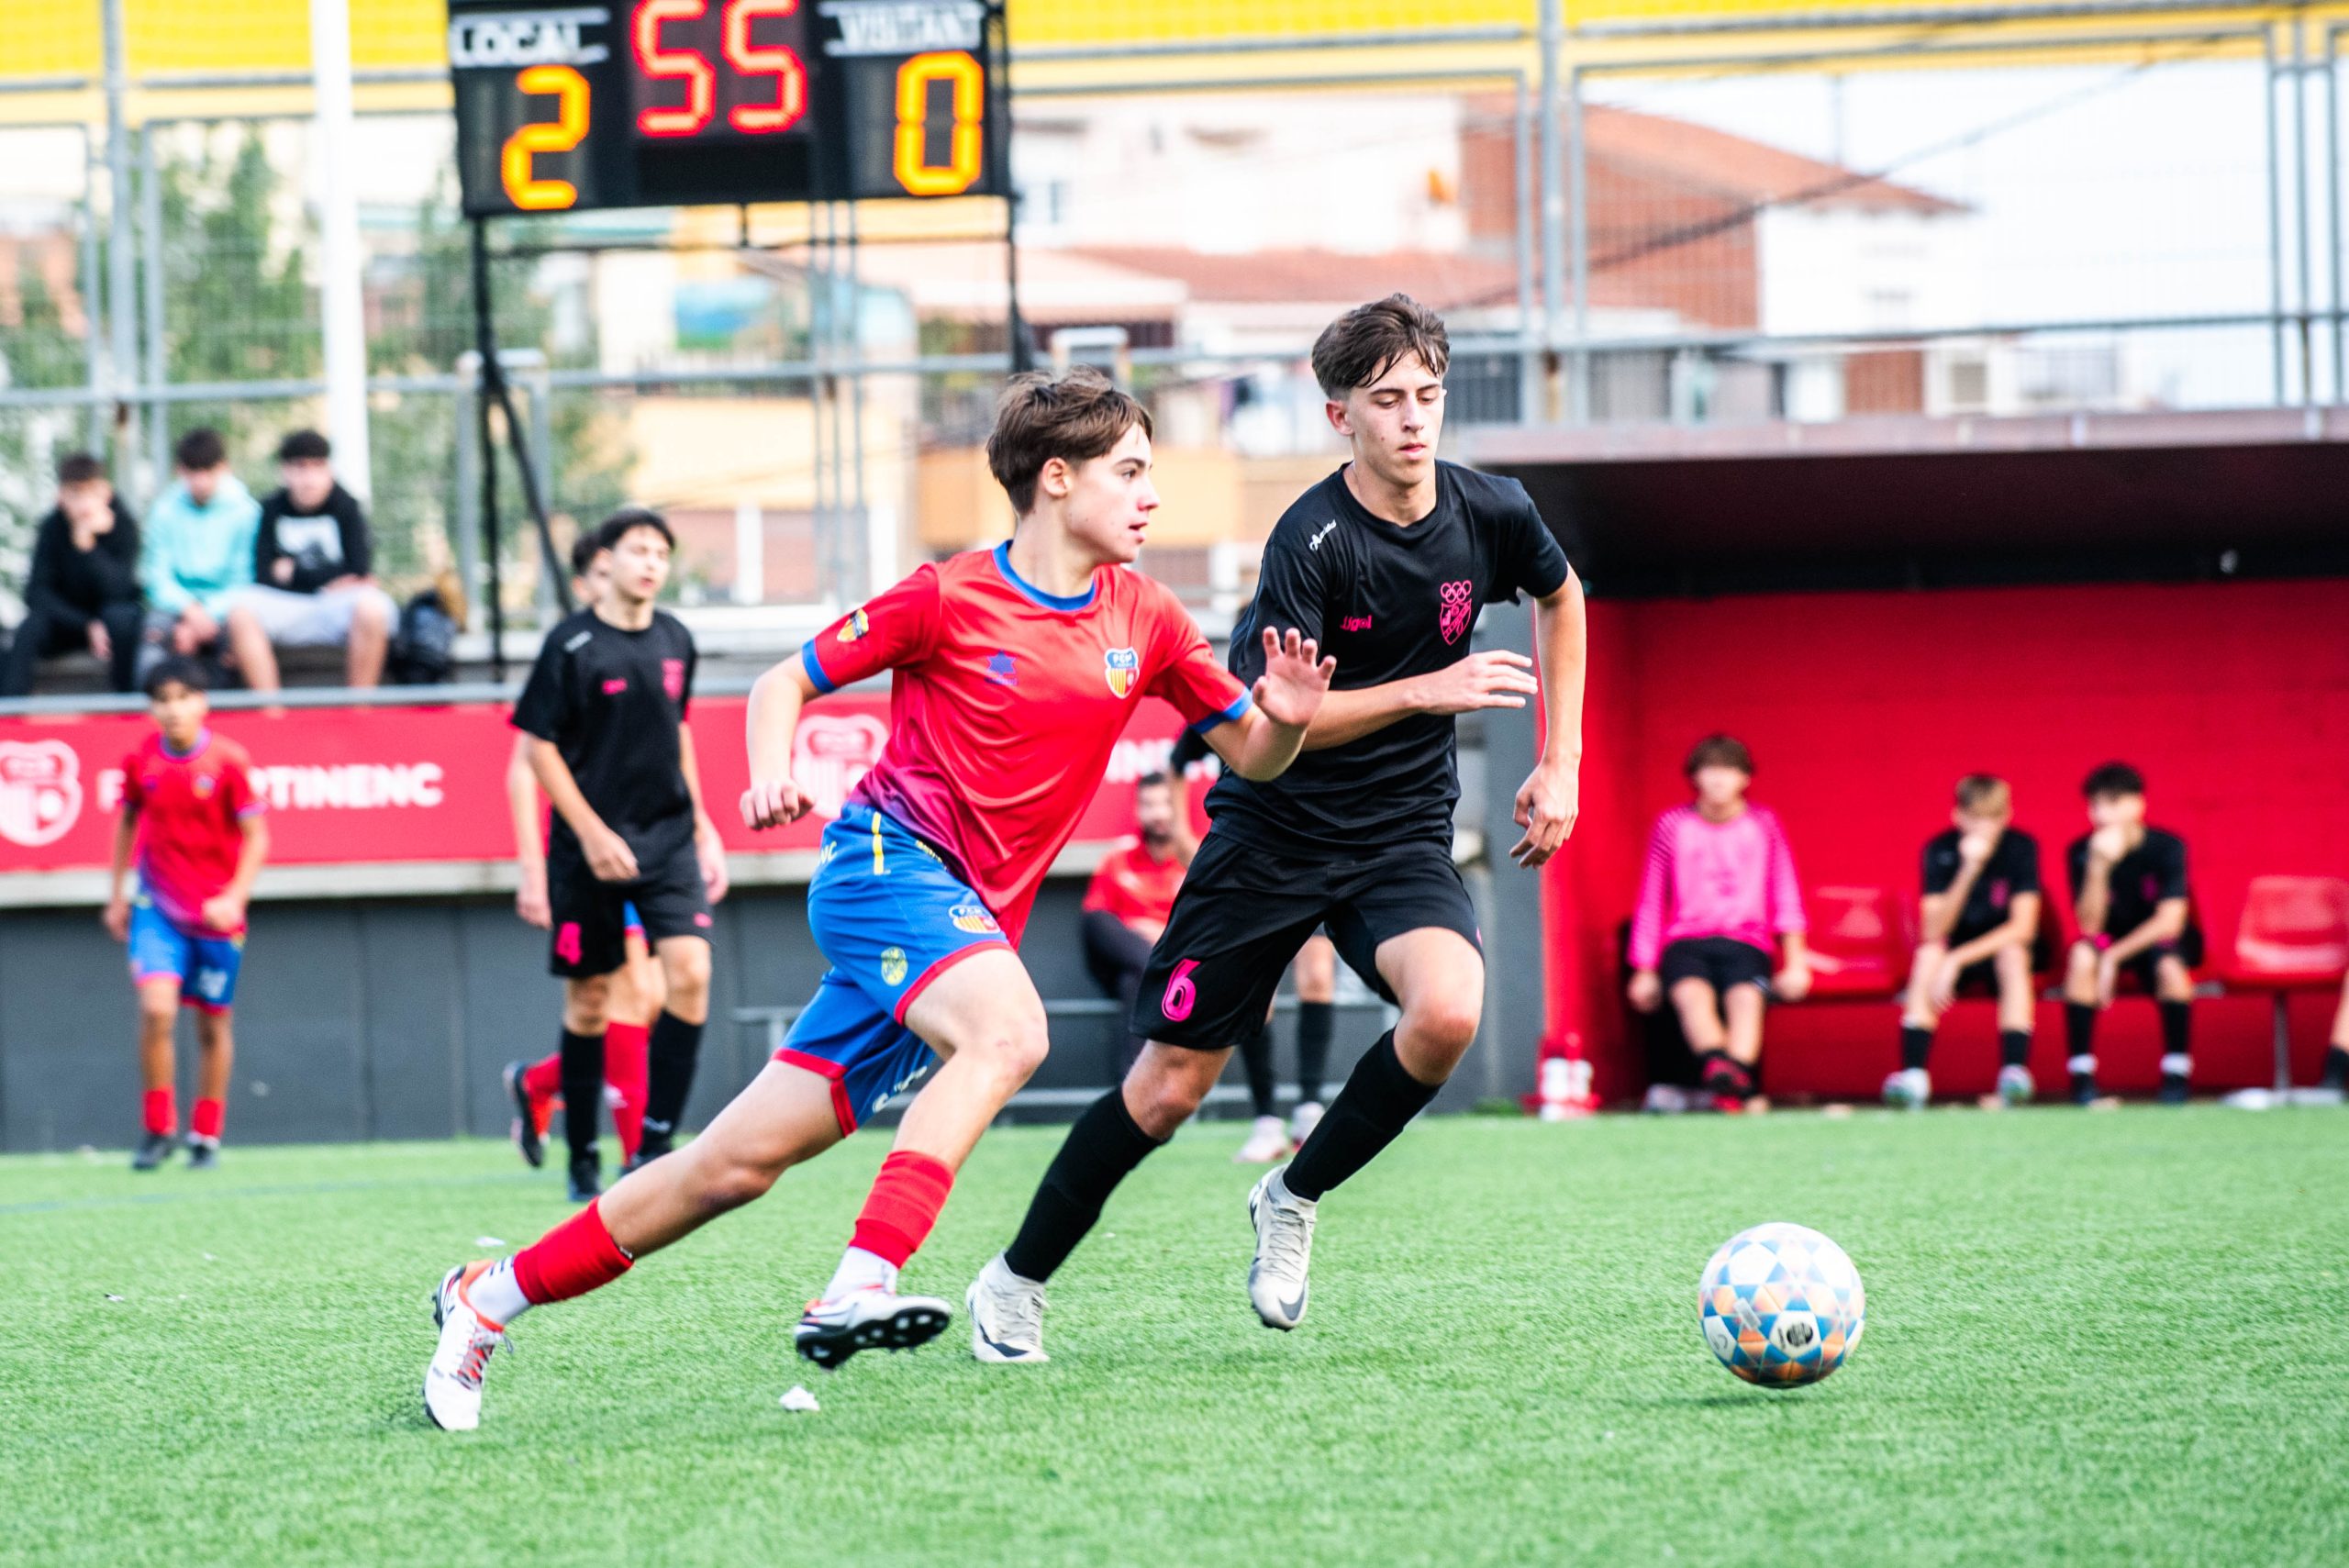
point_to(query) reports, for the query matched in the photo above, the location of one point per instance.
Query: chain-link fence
(2138, 219)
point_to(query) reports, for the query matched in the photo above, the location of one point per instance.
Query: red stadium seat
(1860, 942)
(2294, 936)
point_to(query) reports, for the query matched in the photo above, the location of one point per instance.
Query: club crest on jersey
(893, 965)
(1122, 666)
(1459, 605)
(204, 784)
(973, 919)
(673, 678)
(856, 625)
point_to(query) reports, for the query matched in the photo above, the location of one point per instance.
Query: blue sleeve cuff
(1240, 706)
(810, 663)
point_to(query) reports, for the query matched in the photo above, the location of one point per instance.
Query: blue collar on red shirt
(1050, 601)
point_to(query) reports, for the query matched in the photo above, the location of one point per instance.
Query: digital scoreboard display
(659, 103)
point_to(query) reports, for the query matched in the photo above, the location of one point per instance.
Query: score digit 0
(565, 131)
(961, 170)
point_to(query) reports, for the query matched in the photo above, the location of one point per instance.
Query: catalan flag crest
(1121, 667)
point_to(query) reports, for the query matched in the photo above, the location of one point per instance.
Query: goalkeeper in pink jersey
(1719, 885)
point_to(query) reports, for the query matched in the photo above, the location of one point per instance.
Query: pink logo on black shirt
(2000, 893)
(615, 686)
(1458, 605)
(673, 678)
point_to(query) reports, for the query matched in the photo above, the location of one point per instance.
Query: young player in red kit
(192, 822)
(1015, 671)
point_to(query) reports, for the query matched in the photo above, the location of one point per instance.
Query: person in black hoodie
(83, 591)
(311, 583)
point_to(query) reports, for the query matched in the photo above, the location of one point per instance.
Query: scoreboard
(567, 107)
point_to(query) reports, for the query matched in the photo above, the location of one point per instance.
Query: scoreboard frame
(582, 106)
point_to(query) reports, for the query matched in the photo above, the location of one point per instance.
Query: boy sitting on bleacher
(1720, 884)
(1978, 918)
(2135, 916)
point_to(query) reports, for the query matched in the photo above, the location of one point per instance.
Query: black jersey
(2012, 868)
(1389, 602)
(611, 701)
(2142, 879)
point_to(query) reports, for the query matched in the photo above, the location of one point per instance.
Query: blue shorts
(891, 918)
(205, 967)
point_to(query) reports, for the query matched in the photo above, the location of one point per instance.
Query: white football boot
(1909, 1088)
(452, 1379)
(1006, 1316)
(1284, 1222)
(874, 1319)
(1267, 1143)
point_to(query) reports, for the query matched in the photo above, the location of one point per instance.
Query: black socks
(675, 1048)
(1100, 1150)
(583, 1091)
(1256, 1058)
(1379, 1101)
(2014, 1047)
(1315, 1022)
(1916, 1045)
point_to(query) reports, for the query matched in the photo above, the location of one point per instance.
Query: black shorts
(1244, 911)
(1722, 962)
(2146, 965)
(590, 933)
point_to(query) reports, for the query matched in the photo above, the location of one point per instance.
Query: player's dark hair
(200, 448)
(1368, 340)
(79, 468)
(625, 521)
(1718, 751)
(1984, 795)
(584, 550)
(2114, 778)
(303, 446)
(1151, 781)
(176, 670)
(1074, 415)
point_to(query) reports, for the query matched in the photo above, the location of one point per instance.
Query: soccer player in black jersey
(2136, 913)
(605, 707)
(1980, 918)
(1388, 561)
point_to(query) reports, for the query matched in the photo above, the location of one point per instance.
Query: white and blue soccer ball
(1781, 1306)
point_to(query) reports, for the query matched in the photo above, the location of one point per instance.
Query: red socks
(627, 1069)
(161, 1111)
(573, 1259)
(902, 1207)
(208, 1116)
(543, 1080)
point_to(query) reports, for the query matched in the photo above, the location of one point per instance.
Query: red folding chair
(1860, 942)
(2294, 936)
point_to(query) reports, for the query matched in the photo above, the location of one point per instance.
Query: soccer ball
(1781, 1306)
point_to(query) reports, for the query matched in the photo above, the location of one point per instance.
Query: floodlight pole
(1023, 356)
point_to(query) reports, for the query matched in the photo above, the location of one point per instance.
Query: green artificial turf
(2092, 1339)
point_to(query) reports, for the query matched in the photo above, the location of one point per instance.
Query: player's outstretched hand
(772, 803)
(1548, 802)
(1296, 678)
(1498, 679)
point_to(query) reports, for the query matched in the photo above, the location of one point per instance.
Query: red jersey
(192, 811)
(1134, 885)
(1006, 702)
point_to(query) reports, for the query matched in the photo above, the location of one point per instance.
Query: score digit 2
(524, 188)
(961, 169)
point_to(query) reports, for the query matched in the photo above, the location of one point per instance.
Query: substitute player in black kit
(2136, 913)
(1387, 563)
(607, 703)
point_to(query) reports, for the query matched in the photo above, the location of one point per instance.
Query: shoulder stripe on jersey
(1050, 601)
(815, 668)
(1240, 706)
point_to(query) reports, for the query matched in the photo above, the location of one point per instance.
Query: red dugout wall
(1863, 710)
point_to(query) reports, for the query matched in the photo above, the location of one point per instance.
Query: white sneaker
(2015, 1085)
(1266, 1143)
(1303, 1120)
(876, 1318)
(452, 1378)
(1284, 1222)
(1007, 1315)
(1910, 1087)
(1664, 1099)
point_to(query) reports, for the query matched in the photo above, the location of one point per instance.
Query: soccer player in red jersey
(1014, 671)
(636, 991)
(194, 828)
